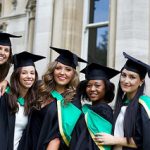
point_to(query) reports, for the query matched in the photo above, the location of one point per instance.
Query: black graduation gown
(50, 128)
(81, 138)
(7, 125)
(142, 134)
(34, 126)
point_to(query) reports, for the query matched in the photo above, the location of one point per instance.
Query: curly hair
(4, 68)
(109, 90)
(30, 97)
(48, 84)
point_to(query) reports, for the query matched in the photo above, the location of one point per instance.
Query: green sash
(7, 90)
(96, 124)
(67, 117)
(145, 101)
(20, 100)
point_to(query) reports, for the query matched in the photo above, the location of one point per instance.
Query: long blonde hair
(48, 84)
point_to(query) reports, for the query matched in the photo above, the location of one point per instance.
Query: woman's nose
(93, 88)
(1, 51)
(62, 71)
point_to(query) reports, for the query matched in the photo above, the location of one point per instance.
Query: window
(0, 8)
(95, 35)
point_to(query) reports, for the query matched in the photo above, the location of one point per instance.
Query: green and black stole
(96, 124)
(144, 100)
(20, 100)
(68, 115)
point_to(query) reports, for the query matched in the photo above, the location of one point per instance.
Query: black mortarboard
(67, 57)
(5, 38)
(98, 72)
(135, 65)
(25, 59)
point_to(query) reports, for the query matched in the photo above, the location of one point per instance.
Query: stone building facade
(97, 30)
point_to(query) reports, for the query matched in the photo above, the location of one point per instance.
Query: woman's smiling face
(95, 90)
(4, 54)
(130, 81)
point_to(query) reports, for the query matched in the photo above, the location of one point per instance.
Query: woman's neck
(60, 89)
(130, 96)
(94, 103)
(23, 92)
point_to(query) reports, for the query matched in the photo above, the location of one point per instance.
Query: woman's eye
(123, 75)
(88, 85)
(23, 72)
(57, 68)
(68, 69)
(97, 85)
(132, 77)
(6, 50)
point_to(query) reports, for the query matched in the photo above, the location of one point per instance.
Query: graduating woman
(131, 116)
(15, 105)
(51, 126)
(97, 116)
(5, 58)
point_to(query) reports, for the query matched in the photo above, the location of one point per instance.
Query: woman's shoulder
(144, 102)
(144, 96)
(103, 107)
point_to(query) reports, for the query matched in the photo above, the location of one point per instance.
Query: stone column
(133, 25)
(30, 9)
(67, 29)
(43, 32)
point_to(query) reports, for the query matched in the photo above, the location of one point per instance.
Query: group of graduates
(60, 112)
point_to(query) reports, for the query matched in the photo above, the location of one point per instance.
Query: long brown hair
(4, 68)
(48, 84)
(30, 97)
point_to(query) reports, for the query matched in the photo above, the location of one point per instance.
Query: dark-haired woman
(98, 116)
(5, 58)
(16, 103)
(131, 115)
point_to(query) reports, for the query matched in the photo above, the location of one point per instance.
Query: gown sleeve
(50, 128)
(3, 122)
(142, 129)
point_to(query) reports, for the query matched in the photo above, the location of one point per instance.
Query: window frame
(111, 23)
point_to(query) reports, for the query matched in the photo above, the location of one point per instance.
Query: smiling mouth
(28, 81)
(62, 78)
(93, 95)
(1, 58)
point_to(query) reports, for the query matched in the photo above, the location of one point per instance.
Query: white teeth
(93, 94)
(1, 58)
(28, 81)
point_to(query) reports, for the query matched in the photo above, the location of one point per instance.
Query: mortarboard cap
(5, 38)
(67, 57)
(96, 71)
(25, 59)
(135, 65)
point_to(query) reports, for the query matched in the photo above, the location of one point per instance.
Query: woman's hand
(54, 144)
(105, 139)
(108, 139)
